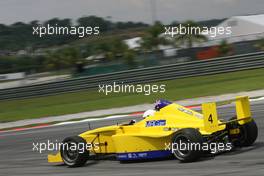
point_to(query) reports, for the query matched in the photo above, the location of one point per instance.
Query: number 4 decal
(210, 118)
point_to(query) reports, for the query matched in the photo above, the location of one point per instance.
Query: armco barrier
(159, 73)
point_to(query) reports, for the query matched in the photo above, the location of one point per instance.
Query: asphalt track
(17, 157)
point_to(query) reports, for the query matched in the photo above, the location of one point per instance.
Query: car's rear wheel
(248, 134)
(187, 145)
(73, 151)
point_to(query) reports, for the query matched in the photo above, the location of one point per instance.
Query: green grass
(92, 100)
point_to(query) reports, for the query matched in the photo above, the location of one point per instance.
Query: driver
(159, 104)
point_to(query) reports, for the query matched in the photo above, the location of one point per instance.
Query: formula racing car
(169, 131)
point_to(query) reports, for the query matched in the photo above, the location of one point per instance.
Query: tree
(188, 37)
(63, 58)
(4, 30)
(53, 61)
(129, 57)
(224, 48)
(94, 21)
(34, 23)
(111, 48)
(59, 22)
(71, 55)
(115, 49)
(129, 24)
(260, 44)
(153, 38)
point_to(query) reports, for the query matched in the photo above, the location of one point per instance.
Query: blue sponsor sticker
(152, 123)
(143, 155)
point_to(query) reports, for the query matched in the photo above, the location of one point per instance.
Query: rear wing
(211, 121)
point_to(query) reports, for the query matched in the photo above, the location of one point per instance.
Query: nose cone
(55, 158)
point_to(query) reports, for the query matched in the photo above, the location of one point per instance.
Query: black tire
(248, 134)
(191, 136)
(74, 156)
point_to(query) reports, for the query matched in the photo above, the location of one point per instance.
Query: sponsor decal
(143, 155)
(152, 123)
(187, 111)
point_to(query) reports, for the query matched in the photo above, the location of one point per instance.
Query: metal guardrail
(159, 73)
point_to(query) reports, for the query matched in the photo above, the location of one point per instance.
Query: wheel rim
(69, 154)
(181, 152)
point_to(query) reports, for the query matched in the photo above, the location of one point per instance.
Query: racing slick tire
(248, 134)
(187, 136)
(71, 155)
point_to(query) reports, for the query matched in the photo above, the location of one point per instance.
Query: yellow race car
(171, 131)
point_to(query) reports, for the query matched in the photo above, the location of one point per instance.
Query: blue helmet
(161, 104)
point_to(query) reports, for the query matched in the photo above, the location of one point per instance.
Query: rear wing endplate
(209, 110)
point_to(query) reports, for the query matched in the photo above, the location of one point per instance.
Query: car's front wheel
(73, 151)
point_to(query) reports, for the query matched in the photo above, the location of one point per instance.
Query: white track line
(90, 120)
